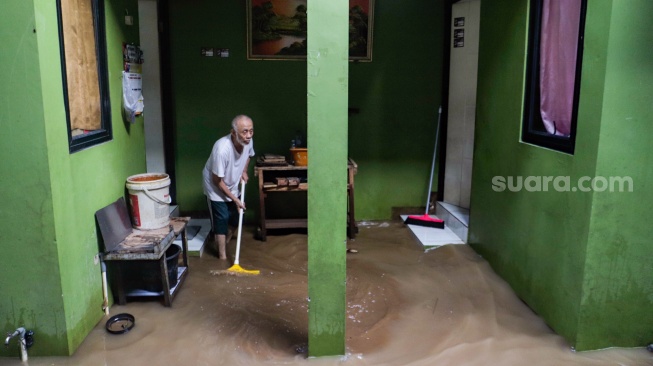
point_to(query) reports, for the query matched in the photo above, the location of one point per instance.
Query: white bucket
(149, 199)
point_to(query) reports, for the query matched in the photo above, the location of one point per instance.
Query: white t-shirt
(228, 164)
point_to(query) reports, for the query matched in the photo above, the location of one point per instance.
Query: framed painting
(276, 29)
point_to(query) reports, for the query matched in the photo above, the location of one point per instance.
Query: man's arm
(223, 187)
(245, 177)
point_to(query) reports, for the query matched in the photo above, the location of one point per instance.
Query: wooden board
(81, 64)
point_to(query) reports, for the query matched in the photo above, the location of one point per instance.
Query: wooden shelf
(266, 176)
(286, 223)
(275, 188)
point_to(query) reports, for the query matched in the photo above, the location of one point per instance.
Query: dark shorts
(222, 215)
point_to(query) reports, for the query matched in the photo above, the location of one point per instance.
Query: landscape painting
(276, 29)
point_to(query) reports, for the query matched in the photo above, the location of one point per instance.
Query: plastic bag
(132, 85)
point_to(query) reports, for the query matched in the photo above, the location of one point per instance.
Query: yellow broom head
(236, 270)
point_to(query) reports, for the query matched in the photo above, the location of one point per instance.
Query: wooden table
(149, 245)
(266, 185)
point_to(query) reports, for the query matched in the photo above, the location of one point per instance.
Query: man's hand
(245, 177)
(240, 204)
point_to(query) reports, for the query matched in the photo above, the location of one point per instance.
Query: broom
(236, 269)
(426, 220)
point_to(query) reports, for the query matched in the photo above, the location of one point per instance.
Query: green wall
(52, 234)
(31, 294)
(397, 95)
(547, 245)
(618, 291)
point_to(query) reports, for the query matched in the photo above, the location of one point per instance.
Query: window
(84, 72)
(555, 55)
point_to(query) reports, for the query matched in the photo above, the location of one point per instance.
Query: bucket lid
(121, 323)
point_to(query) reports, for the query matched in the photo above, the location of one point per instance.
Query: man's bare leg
(222, 246)
(230, 233)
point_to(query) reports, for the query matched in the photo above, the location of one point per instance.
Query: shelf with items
(293, 178)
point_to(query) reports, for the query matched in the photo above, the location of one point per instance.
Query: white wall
(462, 105)
(149, 35)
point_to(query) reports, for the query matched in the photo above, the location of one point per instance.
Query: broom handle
(435, 151)
(240, 220)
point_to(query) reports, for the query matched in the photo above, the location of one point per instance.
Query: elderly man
(222, 173)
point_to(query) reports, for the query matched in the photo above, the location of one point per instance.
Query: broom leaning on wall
(426, 220)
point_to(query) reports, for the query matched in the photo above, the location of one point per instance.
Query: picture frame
(277, 29)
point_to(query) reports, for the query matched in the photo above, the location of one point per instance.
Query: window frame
(532, 94)
(105, 133)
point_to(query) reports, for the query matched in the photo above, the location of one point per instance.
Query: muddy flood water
(405, 306)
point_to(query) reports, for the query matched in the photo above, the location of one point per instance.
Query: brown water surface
(405, 306)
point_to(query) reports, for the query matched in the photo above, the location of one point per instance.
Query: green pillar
(327, 68)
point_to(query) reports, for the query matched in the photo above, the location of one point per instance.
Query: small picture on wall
(277, 29)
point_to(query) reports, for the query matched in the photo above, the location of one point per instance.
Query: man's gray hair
(234, 122)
